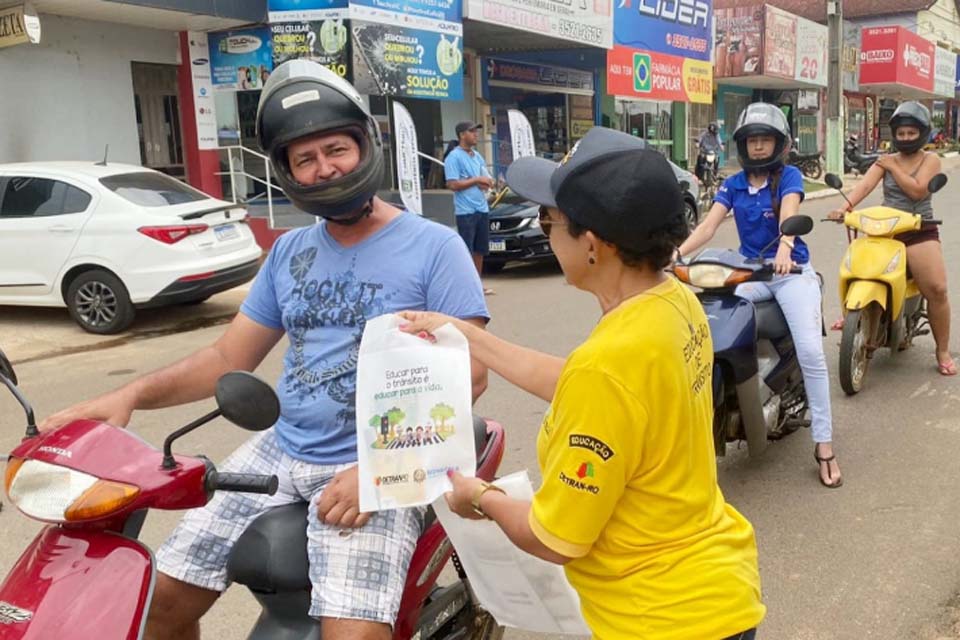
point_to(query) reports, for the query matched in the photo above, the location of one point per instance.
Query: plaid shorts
(358, 576)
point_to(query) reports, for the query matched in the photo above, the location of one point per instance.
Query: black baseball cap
(610, 183)
(467, 125)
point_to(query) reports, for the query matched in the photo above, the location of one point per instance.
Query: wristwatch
(482, 489)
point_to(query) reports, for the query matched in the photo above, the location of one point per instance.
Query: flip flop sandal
(947, 368)
(828, 485)
(838, 325)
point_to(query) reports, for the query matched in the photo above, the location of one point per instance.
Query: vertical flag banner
(521, 135)
(408, 160)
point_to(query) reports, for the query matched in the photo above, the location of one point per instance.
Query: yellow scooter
(882, 305)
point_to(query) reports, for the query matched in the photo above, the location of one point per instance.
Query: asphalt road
(876, 559)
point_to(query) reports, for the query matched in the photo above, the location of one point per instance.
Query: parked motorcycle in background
(810, 164)
(853, 160)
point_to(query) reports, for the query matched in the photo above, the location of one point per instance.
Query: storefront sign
(780, 43)
(241, 60)
(811, 58)
(657, 76)
(305, 10)
(586, 22)
(894, 55)
(391, 60)
(944, 72)
(323, 41)
(408, 159)
(406, 12)
(849, 67)
(538, 75)
(19, 25)
(679, 28)
(739, 41)
(203, 102)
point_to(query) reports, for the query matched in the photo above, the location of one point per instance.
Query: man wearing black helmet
(761, 196)
(708, 141)
(905, 176)
(319, 286)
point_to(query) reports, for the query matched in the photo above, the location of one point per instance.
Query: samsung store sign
(19, 25)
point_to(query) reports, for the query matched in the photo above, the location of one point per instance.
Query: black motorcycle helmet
(712, 127)
(762, 119)
(911, 114)
(303, 98)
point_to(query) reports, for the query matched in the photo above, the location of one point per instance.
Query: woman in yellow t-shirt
(629, 501)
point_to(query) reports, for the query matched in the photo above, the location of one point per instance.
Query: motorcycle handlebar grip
(796, 269)
(934, 221)
(244, 482)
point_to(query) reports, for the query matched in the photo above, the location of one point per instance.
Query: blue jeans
(746, 635)
(799, 298)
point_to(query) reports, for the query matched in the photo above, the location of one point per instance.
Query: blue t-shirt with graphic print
(322, 295)
(757, 224)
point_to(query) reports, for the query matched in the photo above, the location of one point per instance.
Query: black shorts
(926, 233)
(474, 228)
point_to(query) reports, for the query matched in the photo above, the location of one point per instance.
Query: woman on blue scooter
(761, 197)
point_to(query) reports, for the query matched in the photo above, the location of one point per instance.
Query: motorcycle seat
(771, 325)
(271, 555)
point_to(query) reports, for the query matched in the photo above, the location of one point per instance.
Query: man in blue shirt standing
(467, 176)
(318, 288)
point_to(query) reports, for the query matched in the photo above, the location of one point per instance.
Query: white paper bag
(414, 418)
(518, 589)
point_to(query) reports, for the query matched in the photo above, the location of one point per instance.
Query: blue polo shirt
(757, 224)
(461, 165)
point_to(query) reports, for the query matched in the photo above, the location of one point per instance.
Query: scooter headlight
(53, 493)
(711, 276)
(877, 226)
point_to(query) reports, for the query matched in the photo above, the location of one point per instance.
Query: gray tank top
(893, 196)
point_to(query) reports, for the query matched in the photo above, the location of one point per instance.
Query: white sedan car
(104, 240)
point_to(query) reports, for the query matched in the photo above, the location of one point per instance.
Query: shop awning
(176, 15)
(490, 39)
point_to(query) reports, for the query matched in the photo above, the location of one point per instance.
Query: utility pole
(834, 155)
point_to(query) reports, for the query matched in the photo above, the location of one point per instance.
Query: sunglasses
(546, 223)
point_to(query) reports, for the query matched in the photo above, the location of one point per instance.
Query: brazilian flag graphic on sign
(641, 72)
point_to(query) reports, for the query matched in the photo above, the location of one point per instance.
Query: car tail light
(174, 233)
(53, 493)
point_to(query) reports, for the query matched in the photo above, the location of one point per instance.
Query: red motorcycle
(86, 576)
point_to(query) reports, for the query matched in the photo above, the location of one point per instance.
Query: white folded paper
(518, 589)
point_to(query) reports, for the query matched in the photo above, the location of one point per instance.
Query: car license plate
(226, 232)
(498, 246)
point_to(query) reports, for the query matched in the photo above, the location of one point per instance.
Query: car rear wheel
(690, 212)
(99, 302)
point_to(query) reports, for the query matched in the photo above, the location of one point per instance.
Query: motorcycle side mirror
(247, 401)
(798, 225)
(833, 181)
(243, 399)
(6, 369)
(936, 183)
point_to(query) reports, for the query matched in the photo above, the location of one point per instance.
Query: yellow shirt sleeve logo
(590, 443)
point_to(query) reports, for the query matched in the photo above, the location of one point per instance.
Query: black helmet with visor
(910, 114)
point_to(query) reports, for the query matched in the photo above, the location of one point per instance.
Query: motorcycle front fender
(733, 329)
(860, 293)
(77, 584)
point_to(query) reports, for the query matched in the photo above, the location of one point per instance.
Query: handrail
(233, 172)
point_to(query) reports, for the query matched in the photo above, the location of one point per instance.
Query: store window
(652, 121)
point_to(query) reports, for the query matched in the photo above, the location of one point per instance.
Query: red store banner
(896, 56)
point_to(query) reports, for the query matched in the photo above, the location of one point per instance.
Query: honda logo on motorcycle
(10, 614)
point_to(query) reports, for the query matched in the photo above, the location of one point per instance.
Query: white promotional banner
(585, 22)
(408, 159)
(811, 52)
(944, 73)
(521, 134)
(203, 102)
(518, 589)
(414, 415)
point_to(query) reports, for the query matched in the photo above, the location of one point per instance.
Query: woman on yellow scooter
(905, 175)
(761, 196)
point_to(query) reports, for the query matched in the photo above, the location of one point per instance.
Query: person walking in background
(467, 176)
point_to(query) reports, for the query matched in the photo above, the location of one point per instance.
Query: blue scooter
(757, 383)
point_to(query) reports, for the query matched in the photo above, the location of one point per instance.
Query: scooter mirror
(797, 225)
(936, 183)
(6, 369)
(247, 401)
(833, 181)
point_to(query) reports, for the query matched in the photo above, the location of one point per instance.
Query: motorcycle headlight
(877, 226)
(53, 493)
(711, 276)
